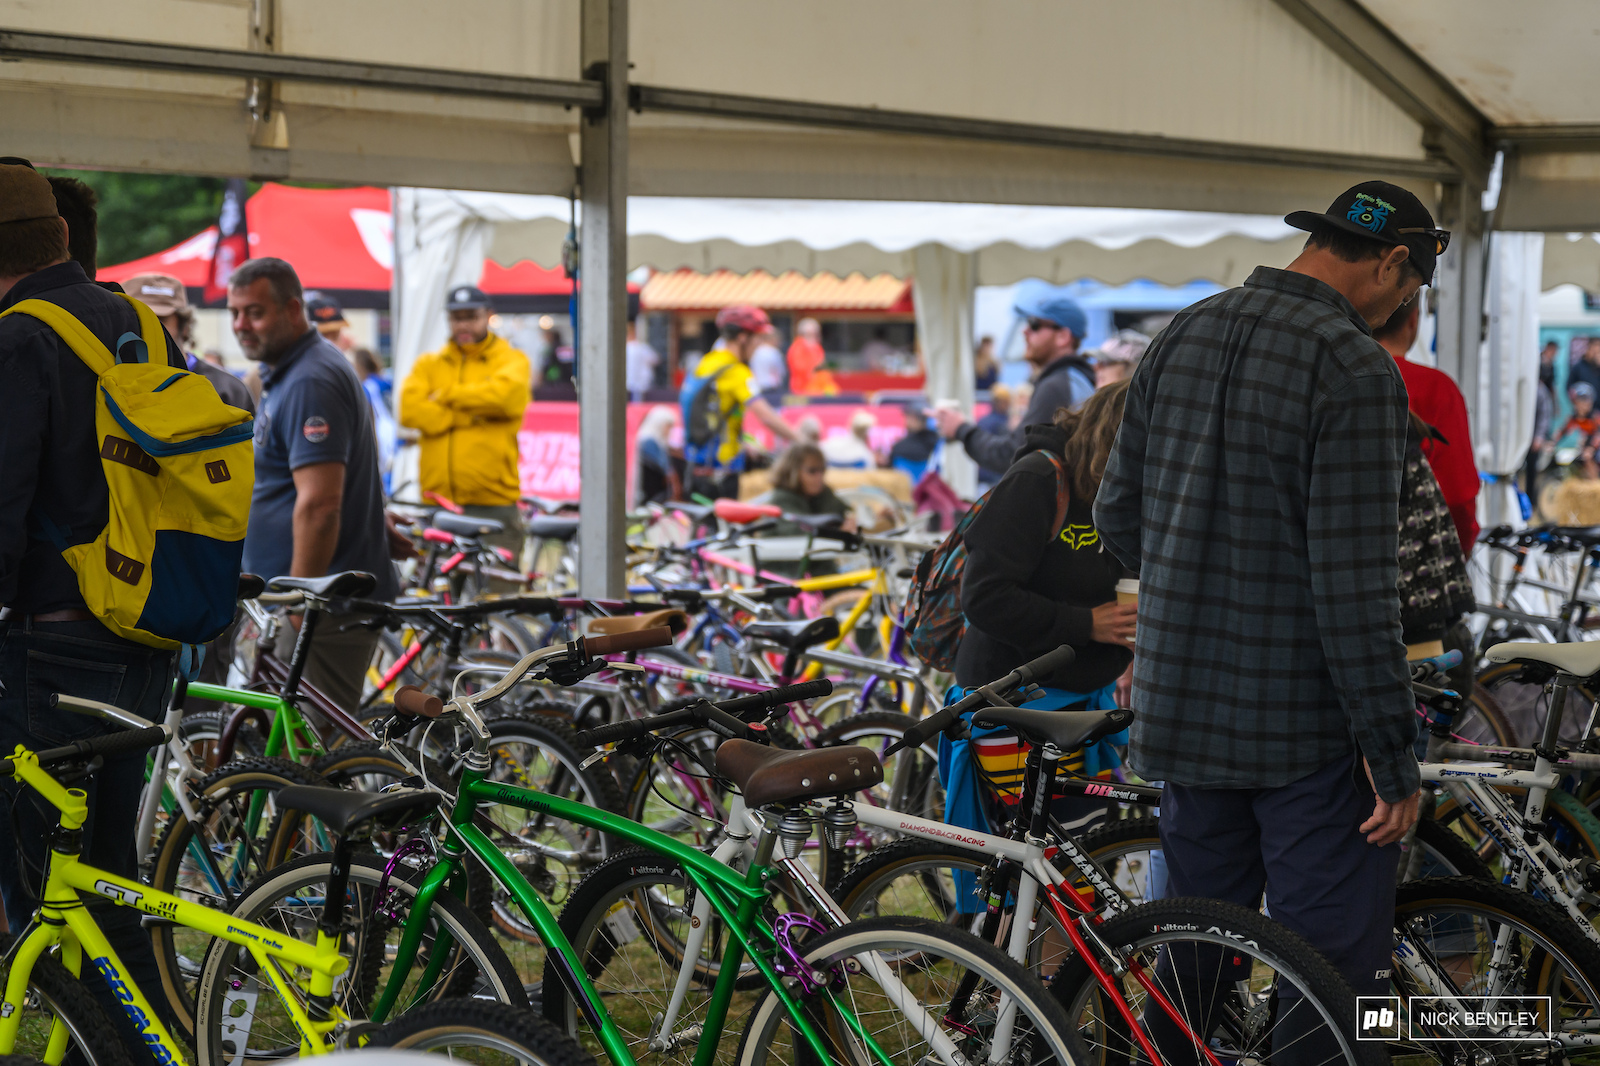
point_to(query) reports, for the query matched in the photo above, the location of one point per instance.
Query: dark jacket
(1067, 382)
(48, 436)
(1027, 589)
(231, 389)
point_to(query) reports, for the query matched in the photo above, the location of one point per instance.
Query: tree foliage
(141, 214)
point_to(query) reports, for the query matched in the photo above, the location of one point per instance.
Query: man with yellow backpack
(99, 408)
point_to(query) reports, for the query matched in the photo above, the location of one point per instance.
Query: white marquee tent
(1237, 106)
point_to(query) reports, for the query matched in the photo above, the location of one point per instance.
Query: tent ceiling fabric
(810, 236)
(1230, 72)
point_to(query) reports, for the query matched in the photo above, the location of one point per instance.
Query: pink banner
(548, 440)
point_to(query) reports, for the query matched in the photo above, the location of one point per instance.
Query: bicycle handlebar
(411, 700)
(109, 744)
(943, 719)
(776, 697)
(611, 644)
(721, 717)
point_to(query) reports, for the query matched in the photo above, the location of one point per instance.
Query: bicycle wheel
(211, 861)
(1245, 985)
(1460, 922)
(1522, 703)
(931, 962)
(629, 922)
(54, 995)
(240, 1013)
(943, 883)
(202, 734)
(553, 854)
(481, 1032)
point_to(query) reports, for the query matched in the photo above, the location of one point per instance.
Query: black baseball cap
(467, 298)
(1385, 213)
(324, 310)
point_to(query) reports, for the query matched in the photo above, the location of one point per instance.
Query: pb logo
(1379, 1017)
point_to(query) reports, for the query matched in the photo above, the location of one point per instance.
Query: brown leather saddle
(770, 776)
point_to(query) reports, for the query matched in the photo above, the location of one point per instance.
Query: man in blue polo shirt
(318, 505)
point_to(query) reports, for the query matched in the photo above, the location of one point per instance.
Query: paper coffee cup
(1128, 591)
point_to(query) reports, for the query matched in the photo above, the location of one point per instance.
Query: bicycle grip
(1046, 664)
(776, 697)
(917, 735)
(109, 744)
(612, 643)
(409, 699)
(602, 735)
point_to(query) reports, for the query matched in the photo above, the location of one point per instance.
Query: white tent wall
(944, 288)
(1509, 376)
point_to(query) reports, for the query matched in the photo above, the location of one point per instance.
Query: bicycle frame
(736, 898)
(63, 921)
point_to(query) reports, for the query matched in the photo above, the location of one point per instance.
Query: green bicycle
(46, 1012)
(892, 991)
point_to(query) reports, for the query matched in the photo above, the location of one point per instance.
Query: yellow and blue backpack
(180, 467)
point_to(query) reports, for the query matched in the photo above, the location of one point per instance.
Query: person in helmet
(1583, 424)
(718, 396)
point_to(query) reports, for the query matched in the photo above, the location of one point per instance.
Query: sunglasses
(1440, 236)
(1039, 324)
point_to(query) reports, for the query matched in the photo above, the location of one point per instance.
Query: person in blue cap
(1061, 378)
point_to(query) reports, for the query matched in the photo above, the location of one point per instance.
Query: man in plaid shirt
(1254, 486)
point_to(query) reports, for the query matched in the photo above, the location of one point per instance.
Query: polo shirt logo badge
(217, 472)
(315, 429)
(123, 568)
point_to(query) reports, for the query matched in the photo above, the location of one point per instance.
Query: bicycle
(824, 1008)
(46, 1007)
(644, 928)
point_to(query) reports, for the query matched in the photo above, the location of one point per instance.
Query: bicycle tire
(482, 1027)
(1552, 956)
(476, 964)
(632, 912)
(201, 733)
(1045, 1029)
(224, 793)
(54, 992)
(1224, 929)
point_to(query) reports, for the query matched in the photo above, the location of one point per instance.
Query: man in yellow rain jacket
(467, 400)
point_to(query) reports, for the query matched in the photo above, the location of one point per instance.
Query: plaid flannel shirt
(1254, 485)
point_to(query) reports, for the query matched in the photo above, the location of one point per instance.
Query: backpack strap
(84, 343)
(1063, 493)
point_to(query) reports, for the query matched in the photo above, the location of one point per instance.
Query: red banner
(548, 440)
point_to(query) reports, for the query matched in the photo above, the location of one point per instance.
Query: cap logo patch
(315, 429)
(462, 296)
(1369, 212)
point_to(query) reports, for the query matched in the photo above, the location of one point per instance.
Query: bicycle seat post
(302, 648)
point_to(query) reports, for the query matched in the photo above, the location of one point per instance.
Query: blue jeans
(79, 659)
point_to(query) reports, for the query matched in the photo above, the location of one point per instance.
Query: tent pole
(1460, 279)
(603, 304)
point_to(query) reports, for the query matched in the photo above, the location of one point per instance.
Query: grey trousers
(338, 659)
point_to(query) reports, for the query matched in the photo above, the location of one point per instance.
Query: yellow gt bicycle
(46, 1011)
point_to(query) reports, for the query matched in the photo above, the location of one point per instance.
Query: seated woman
(798, 486)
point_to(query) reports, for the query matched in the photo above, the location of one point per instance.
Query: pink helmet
(744, 317)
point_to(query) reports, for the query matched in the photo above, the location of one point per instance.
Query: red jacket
(1436, 400)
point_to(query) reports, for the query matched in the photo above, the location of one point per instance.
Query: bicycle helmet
(744, 318)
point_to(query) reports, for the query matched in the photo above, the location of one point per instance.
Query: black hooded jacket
(1026, 590)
